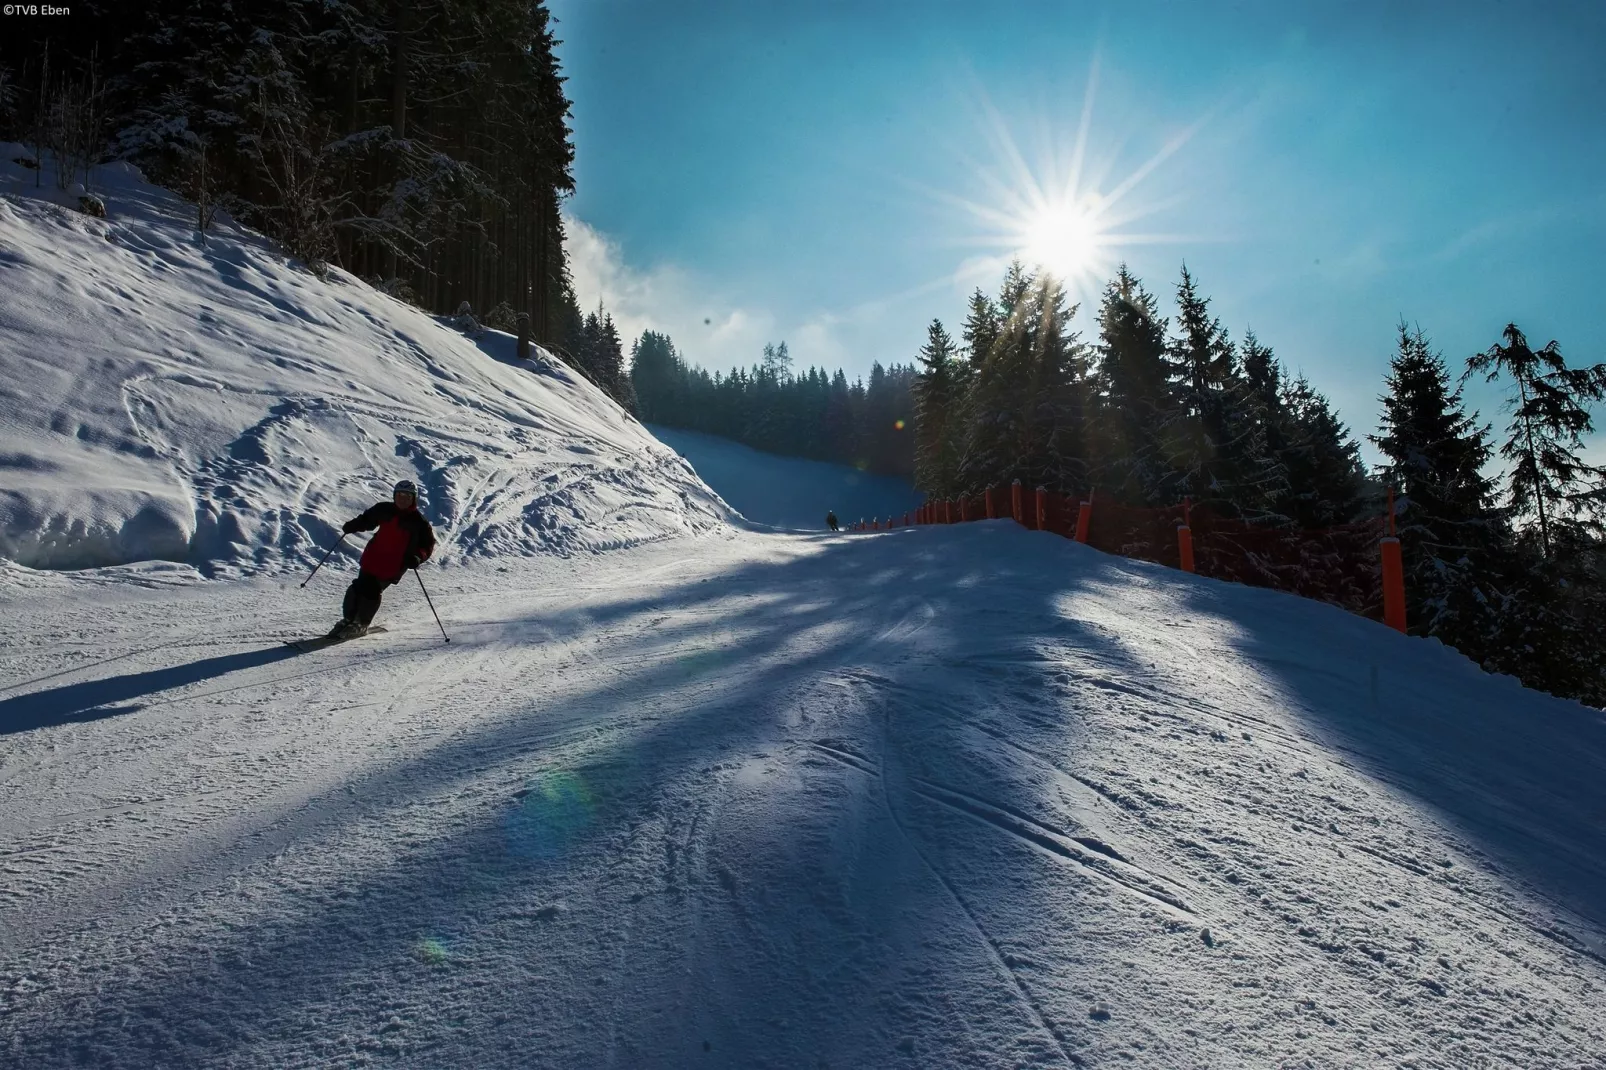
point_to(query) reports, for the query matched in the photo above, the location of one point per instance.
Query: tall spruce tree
(997, 429)
(1215, 438)
(657, 375)
(1452, 531)
(1057, 452)
(1324, 480)
(935, 392)
(1134, 392)
(1551, 484)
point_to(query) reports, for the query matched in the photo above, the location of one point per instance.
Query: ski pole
(319, 565)
(431, 602)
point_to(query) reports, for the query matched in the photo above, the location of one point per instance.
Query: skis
(308, 645)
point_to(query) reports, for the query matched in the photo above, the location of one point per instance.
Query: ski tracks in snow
(739, 800)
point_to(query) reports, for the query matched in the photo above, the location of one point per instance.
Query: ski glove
(410, 561)
(350, 527)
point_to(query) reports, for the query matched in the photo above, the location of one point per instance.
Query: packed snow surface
(795, 492)
(202, 400)
(965, 796)
(960, 796)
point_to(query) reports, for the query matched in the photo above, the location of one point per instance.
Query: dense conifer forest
(424, 147)
(812, 414)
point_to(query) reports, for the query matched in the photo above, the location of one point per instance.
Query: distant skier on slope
(404, 540)
(830, 520)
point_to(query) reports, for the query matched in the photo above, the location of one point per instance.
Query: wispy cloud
(663, 298)
(707, 328)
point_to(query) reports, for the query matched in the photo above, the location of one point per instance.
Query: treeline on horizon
(1508, 569)
(813, 414)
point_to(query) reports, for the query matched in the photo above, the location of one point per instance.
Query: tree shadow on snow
(652, 719)
(1517, 772)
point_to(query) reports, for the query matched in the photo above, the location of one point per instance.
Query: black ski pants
(362, 597)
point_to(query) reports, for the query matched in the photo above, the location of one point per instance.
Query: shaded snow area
(203, 401)
(965, 796)
(793, 492)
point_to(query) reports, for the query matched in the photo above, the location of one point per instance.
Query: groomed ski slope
(681, 792)
(968, 796)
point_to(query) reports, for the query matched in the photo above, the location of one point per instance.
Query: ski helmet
(405, 486)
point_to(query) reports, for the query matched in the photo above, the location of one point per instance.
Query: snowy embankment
(203, 401)
(957, 796)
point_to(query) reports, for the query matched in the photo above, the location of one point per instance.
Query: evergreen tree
(1214, 440)
(980, 331)
(1550, 482)
(1136, 399)
(1452, 531)
(998, 404)
(1324, 481)
(1056, 451)
(936, 445)
(424, 147)
(657, 375)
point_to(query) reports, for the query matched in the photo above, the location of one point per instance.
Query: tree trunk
(398, 96)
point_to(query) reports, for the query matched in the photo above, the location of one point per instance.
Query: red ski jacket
(403, 534)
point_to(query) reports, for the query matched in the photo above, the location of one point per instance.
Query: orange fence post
(1185, 536)
(1084, 517)
(964, 508)
(905, 519)
(1016, 507)
(1042, 508)
(1393, 576)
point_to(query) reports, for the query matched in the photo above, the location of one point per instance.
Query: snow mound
(169, 396)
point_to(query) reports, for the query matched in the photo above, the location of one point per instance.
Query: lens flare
(897, 425)
(553, 813)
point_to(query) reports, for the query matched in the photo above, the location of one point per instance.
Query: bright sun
(1063, 239)
(1062, 212)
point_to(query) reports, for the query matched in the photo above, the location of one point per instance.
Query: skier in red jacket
(404, 540)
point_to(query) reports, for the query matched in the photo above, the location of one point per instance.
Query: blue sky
(837, 174)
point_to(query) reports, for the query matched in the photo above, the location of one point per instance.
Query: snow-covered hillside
(947, 796)
(206, 402)
(793, 492)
